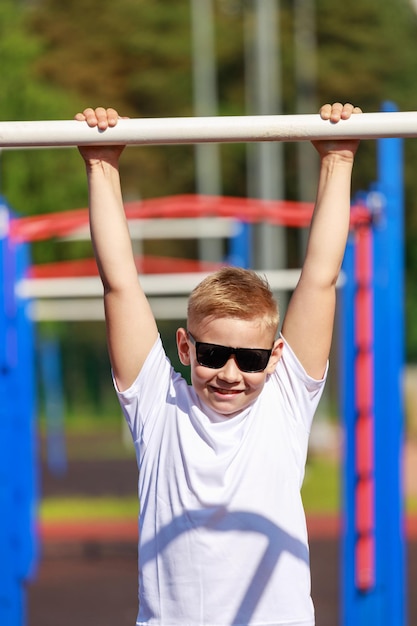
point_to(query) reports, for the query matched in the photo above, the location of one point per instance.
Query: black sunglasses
(215, 356)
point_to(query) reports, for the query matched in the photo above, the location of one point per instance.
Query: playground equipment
(18, 462)
(190, 130)
(372, 337)
(371, 342)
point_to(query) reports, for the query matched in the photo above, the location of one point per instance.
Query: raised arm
(308, 323)
(130, 324)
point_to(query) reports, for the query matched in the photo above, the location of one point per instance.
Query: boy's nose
(230, 371)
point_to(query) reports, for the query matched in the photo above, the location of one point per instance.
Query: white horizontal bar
(59, 287)
(91, 309)
(50, 306)
(189, 130)
(178, 228)
(78, 287)
(155, 284)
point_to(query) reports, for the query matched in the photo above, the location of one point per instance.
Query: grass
(321, 487)
(84, 509)
(411, 505)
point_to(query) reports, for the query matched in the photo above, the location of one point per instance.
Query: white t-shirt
(222, 532)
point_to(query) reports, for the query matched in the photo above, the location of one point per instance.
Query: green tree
(133, 55)
(50, 180)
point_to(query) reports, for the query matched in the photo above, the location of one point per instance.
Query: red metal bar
(144, 264)
(251, 210)
(364, 431)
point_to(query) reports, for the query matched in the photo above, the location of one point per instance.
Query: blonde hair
(234, 292)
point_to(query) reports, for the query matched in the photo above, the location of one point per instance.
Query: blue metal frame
(385, 603)
(389, 365)
(240, 246)
(18, 484)
(347, 404)
(51, 375)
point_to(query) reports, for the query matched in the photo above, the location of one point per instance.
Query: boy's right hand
(344, 148)
(103, 119)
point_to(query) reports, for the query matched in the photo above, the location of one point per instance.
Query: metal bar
(221, 129)
(153, 284)
(347, 353)
(365, 567)
(177, 228)
(389, 260)
(91, 309)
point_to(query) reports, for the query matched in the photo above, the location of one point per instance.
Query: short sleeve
(142, 402)
(301, 392)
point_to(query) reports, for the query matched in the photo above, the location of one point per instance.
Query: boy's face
(227, 390)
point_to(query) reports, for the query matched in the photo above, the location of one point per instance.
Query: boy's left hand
(336, 112)
(103, 119)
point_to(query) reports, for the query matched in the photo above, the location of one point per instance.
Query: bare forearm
(330, 224)
(109, 231)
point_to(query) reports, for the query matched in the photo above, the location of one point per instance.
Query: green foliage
(34, 181)
(132, 54)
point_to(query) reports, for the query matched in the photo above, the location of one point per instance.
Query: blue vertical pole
(24, 438)
(10, 600)
(347, 408)
(389, 366)
(50, 367)
(17, 437)
(239, 253)
(25, 427)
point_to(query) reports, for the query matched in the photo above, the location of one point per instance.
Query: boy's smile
(227, 389)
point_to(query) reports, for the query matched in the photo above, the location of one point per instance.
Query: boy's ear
(275, 355)
(183, 346)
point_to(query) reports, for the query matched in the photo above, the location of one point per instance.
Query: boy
(222, 532)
